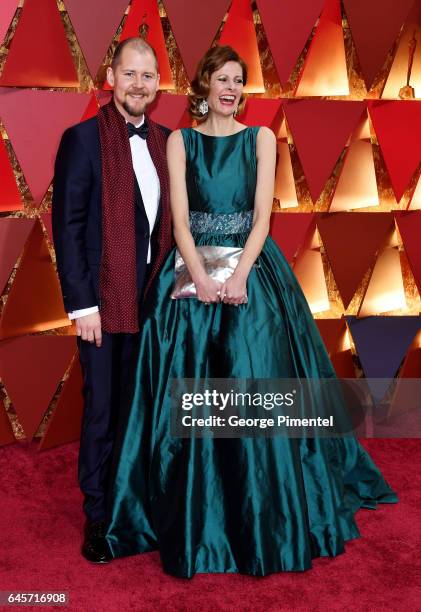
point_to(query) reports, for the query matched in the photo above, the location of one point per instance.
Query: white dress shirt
(148, 181)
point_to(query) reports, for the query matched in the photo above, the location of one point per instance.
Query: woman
(249, 505)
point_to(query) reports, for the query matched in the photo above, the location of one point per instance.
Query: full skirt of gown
(249, 505)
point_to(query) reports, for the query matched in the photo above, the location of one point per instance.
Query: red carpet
(41, 523)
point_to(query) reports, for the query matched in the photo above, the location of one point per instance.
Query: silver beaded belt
(230, 223)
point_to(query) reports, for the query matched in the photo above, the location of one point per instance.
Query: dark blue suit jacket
(77, 217)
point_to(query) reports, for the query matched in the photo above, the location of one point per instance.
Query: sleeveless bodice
(221, 171)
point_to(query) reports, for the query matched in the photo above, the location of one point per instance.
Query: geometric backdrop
(329, 77)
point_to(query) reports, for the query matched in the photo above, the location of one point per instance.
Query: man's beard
(133, 111)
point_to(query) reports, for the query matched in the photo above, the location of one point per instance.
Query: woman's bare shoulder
(175, 144)
(265, 134)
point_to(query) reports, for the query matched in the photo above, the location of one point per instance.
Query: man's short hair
(137, 43)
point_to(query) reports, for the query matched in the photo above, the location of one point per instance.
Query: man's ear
(110, 76)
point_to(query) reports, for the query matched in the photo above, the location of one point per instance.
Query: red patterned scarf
(118, 288)
(118, 263)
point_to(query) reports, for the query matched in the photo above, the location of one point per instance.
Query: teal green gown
(248, 505)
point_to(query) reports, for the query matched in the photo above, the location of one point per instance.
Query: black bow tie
(141, 131)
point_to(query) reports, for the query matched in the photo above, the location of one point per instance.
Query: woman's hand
(207, 289)
(234, 290)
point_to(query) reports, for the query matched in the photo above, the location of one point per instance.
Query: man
(111, 228)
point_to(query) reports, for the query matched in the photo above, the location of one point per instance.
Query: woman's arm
(234, 288)
(206, 288)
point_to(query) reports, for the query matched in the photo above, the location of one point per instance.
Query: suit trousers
(108, 379)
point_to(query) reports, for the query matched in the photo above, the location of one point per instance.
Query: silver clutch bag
(219, 262)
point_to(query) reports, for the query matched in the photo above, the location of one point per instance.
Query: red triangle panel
(64, 424)
(321, 129)
(374, 27)
(288, 25)
(39, 54)
(13, 235)
(259, 111)
(95, 24)
(194, 35)
(9, 193)
(92, 108)
(34, 302)
(289, 230)
(48, 113)
(31, 369)
(358, 234)
(398, 128)
(170, 110)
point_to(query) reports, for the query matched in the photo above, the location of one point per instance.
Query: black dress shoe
(95, 547)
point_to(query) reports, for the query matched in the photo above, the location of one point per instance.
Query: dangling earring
(203, 107)
(235, 113)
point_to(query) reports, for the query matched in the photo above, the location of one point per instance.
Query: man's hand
(88, 328)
